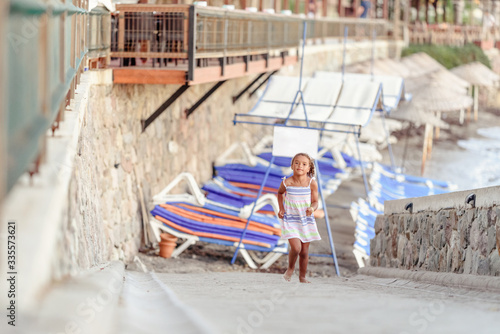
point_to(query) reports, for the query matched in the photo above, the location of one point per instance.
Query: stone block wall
(458, 238)
(114, 157)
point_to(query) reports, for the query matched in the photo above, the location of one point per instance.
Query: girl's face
(300, 165)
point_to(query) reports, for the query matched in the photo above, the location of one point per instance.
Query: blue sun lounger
(191, 216)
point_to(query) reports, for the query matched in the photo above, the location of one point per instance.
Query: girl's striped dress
(295, 222)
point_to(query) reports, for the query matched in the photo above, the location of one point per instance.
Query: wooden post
(385, 9)
(476, 102)
(397, 18)
(340, 8)
(418, 11)
(444, 11)
(121, 31)
(427, 11)
(324, 4)
(406, 13)
(427, 147)
(277, 6)
(436, 131)
(297, 6)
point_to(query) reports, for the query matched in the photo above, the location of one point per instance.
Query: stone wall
(114, 157)
(103, 221)
(459, 238)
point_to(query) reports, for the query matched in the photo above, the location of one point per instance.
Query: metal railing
(445, 34)
(191, 32)
(44, 55)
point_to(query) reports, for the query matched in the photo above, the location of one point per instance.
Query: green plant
(450, 56)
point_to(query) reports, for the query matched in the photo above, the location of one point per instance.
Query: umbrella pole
(424, 148)
(436, 131)
(476, 102)
(462, 116)
(429, 143)
(406, 146)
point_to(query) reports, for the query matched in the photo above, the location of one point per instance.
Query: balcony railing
(197, 37)
(445, 34)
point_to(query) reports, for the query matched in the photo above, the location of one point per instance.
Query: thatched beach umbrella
(421, 63)
(477, 75)
(436, 97)
(414, 85)
(416, 113)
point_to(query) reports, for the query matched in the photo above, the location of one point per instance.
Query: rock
(456, 252)
(379, 224)
(442, 262)
(483, 266)
(494, 260)
(468, 261)
(401, 248)
(438, 239)
(497, 226)
(394, 242)
(432, 259)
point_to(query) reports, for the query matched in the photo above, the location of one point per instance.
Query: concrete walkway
(264, 303)
(109, 299)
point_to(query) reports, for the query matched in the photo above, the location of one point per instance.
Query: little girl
(300, 201)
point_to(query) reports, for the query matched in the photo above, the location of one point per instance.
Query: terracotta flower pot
(168, 237)
(167, 245)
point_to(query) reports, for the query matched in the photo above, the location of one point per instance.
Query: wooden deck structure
(186, 44)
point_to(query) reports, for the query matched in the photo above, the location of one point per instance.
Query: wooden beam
(297, 7)
(232, 71)
(385, 9)
(148, 76)
(201, 75)
(324, 6)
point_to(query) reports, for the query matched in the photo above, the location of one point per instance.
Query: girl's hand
(309, 211)
(281, 214)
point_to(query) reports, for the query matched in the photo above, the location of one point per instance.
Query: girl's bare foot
(288, 275)
(303, 280)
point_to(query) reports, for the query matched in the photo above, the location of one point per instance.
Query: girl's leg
(303, 260)
(295, 245)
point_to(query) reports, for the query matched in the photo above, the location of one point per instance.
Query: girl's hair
(312, 170)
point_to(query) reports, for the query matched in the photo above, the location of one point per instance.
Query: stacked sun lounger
(220, 218)
(387, 185)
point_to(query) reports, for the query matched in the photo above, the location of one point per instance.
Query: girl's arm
(281, 191)
(314, 198)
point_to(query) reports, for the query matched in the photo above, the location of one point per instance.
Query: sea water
(476, 165)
